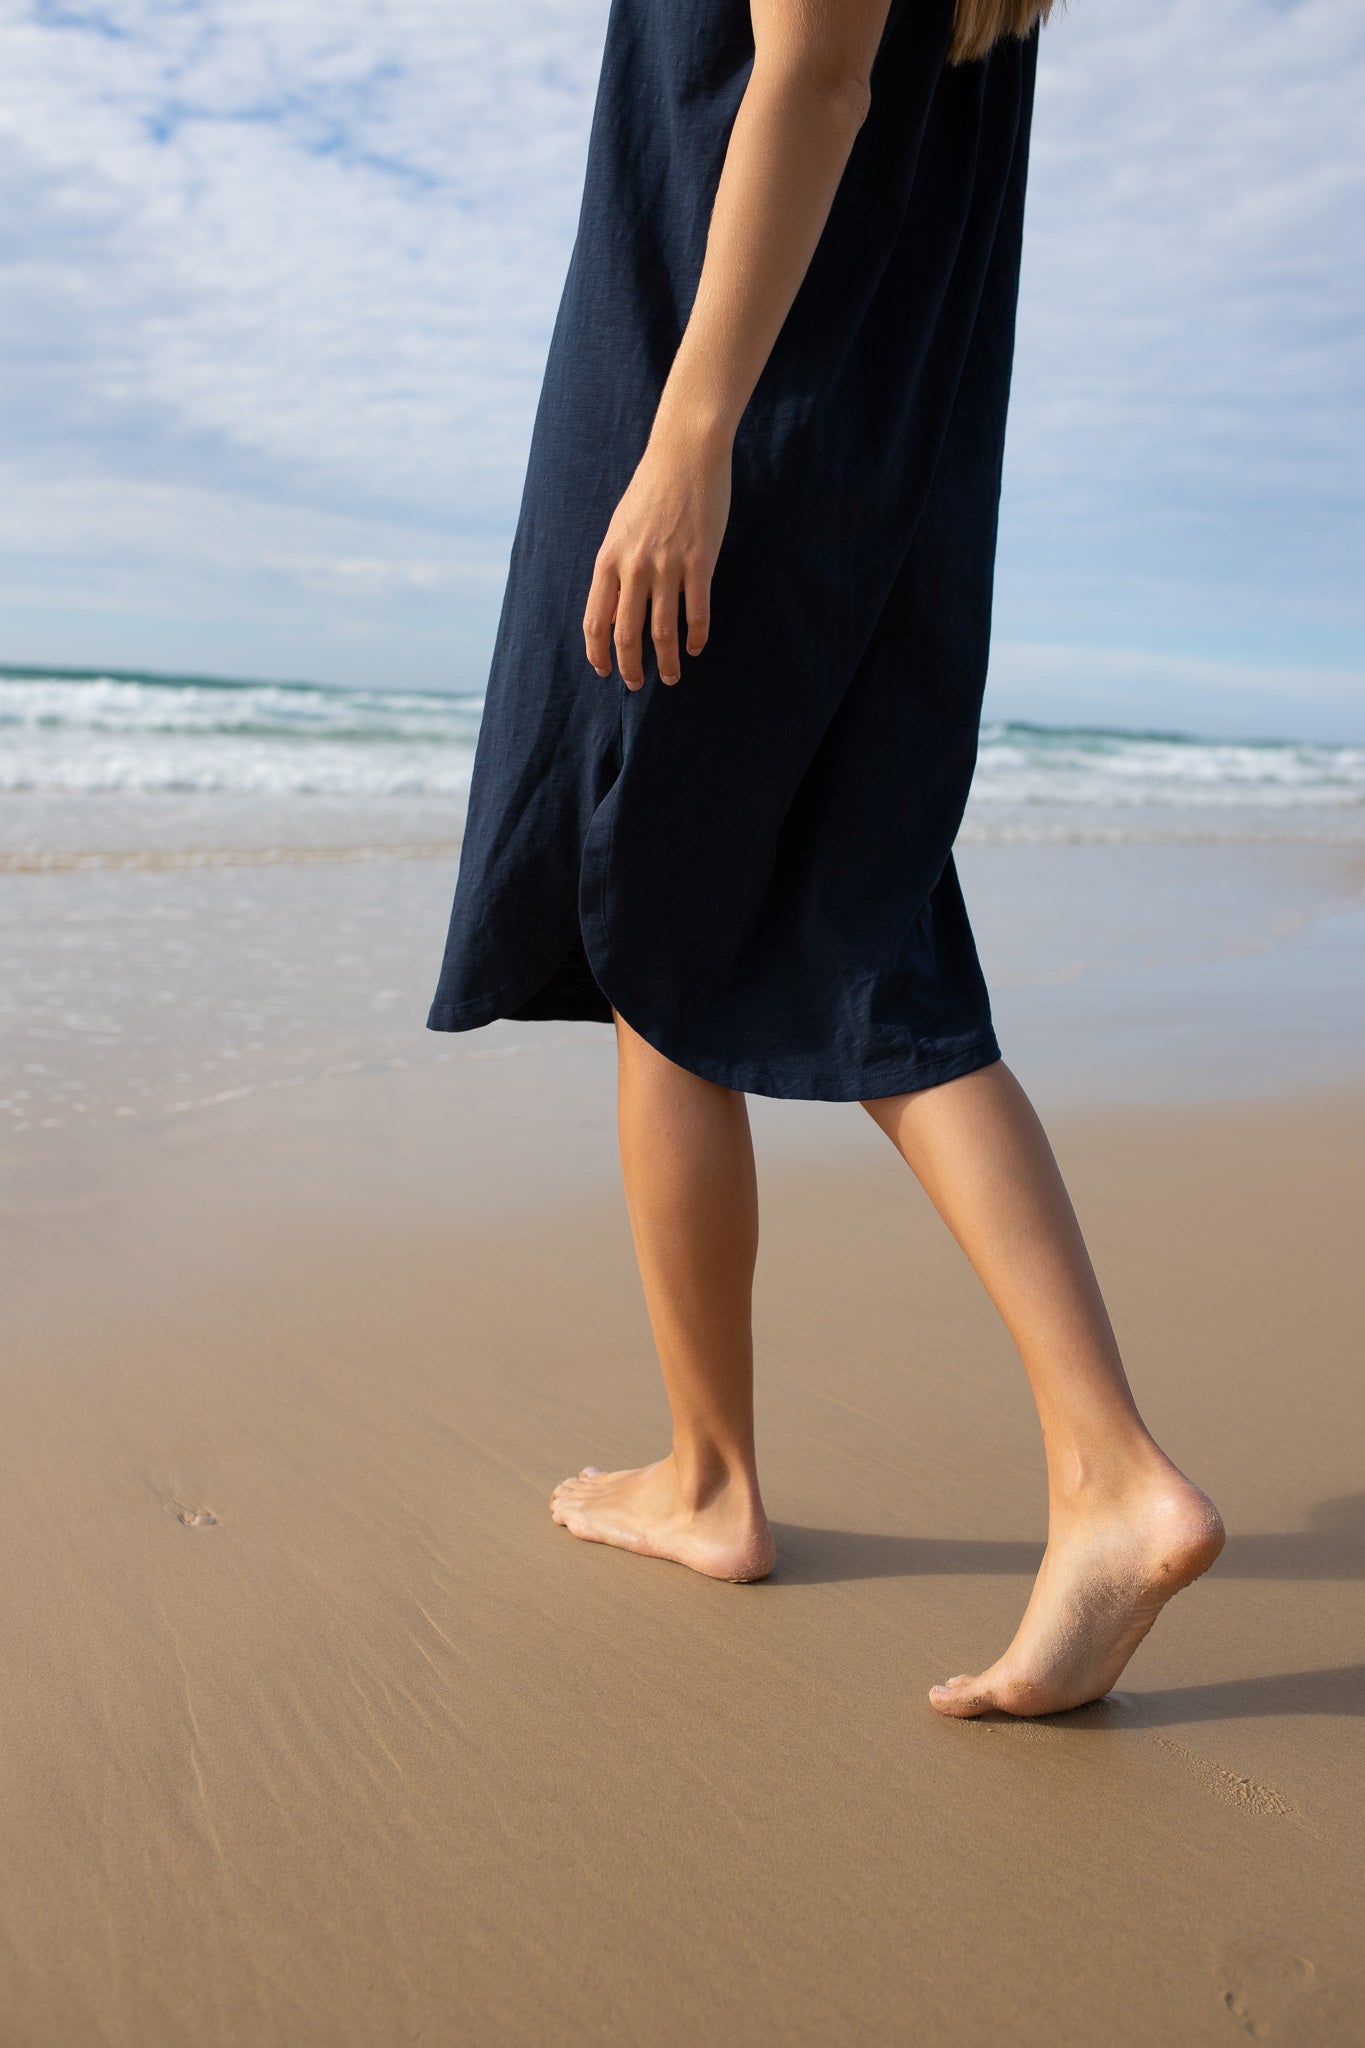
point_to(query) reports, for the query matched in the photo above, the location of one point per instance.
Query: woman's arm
(806, 99)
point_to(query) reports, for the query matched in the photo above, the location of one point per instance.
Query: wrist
(693, 420)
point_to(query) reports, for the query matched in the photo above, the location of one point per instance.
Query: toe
(961, 1697)
(591, 1472)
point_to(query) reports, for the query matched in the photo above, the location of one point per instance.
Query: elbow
(826, 91)
(859, 90)
(848, 94)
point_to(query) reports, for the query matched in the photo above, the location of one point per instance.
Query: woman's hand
(663, 540)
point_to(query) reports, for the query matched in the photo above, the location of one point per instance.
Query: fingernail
(670, 679)
(601, 671)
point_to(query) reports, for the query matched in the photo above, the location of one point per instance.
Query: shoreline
(185, 976)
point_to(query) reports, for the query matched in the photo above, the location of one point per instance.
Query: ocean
(129, 736)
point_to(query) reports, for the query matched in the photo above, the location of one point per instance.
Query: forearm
(789, 144)
(807, 96)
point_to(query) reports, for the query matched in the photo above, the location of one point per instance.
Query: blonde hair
(981, 23)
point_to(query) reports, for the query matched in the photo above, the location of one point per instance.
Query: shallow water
(199, 958)
(1172, 972)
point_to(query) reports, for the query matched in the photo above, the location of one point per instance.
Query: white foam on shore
(75, 860)
(87, 736)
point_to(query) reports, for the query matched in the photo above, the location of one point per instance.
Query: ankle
(704, 1471)
(1083, 1480)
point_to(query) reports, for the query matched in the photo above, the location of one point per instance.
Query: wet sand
(319, 1731)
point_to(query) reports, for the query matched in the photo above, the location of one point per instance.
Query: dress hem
(886, 1078)
(794, 1080)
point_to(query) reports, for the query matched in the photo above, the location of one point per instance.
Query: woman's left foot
(725, 1535)
(1106, 1575)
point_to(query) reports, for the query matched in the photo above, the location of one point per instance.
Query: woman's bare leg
(1126, 1530)
(688, 1165)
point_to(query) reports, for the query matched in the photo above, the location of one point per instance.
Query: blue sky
(279, 279)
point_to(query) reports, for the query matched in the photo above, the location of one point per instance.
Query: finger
(630, 626)
(663, 626)
(597, 617)
(697, 591)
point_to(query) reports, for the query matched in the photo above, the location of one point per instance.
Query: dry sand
(319, 1731)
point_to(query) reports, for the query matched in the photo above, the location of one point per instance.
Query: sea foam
(127, 734)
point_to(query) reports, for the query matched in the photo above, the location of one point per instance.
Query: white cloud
(319, 247)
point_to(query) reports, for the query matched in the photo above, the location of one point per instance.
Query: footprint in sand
(1230, 1786)
(1262, 1989)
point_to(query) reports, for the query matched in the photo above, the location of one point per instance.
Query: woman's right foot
(724, 1535)
(1109, 1569)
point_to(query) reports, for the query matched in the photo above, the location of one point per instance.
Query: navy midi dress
(754, 866)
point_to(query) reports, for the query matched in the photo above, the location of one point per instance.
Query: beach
(320, 1731)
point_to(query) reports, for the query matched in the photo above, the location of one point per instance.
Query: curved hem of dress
(886, 1078)
(789, 1081)
(491, 1008)
(882, 1078)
